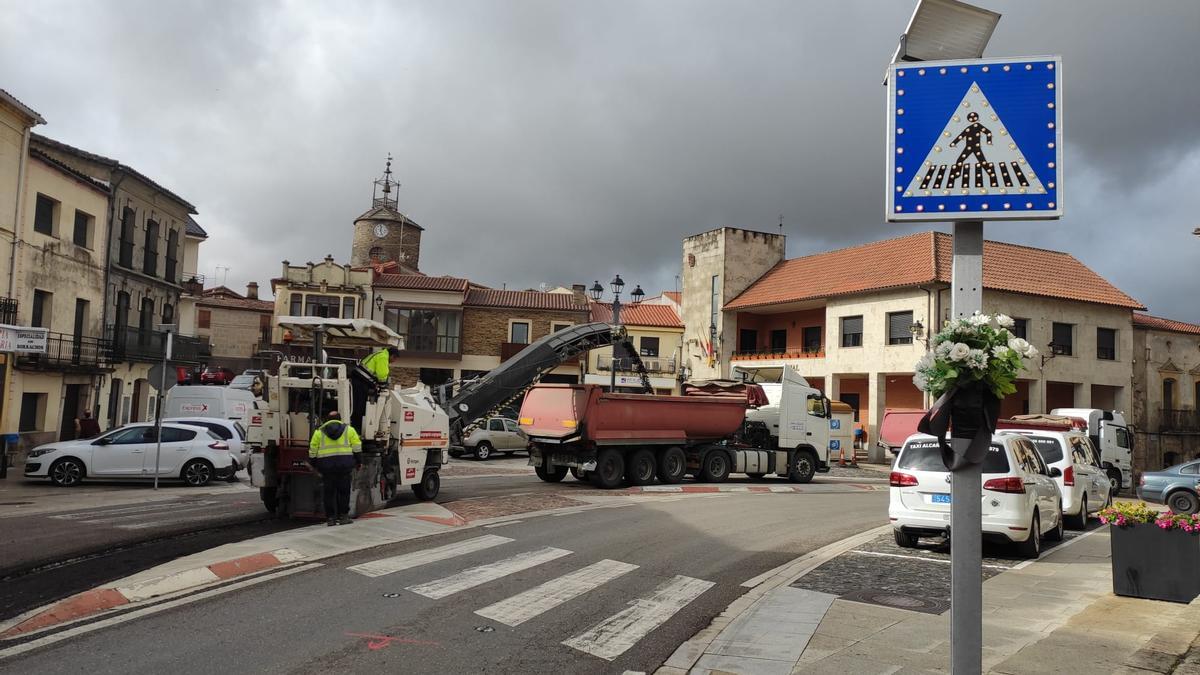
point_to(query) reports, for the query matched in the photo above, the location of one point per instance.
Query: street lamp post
(597, 292)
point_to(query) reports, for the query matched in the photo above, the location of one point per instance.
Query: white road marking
(378, 568)
(507, 522)
(946, 561)
(522, 607)
(151, 508)
(477, 576)
(615, 635)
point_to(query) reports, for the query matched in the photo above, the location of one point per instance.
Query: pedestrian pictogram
(975, 139)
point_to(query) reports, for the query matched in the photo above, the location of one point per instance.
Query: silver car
(497, 434)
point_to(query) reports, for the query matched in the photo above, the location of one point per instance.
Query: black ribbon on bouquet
(968, 412)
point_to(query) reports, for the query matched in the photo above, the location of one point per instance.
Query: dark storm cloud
(564, 142)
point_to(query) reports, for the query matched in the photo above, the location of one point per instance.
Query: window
(168, 314)
(1080, 453)
(1106, 344)
(146, 320)
(556, 326)
(426, 330)
(779, 341)
(173, 435)
(33, 412)
(204, 318)
(812, 339)
(150, 258)
(1021, 328)
(83, 229)
(1063, 338)
(326, 306)
(45, 213)
(1050, 449)
(376, 254)
(1168, 385)
(297, 306)
(898, 324)
(81, 316)
(126, 253)
(852, 331)
(1122, 437)
(927, 456)
(347, 308)
(511, 426)
(816, 405)
(649, 346)
(41, 309)
(131, 436)
(496, 424)
(518, 332)
(747, 340)
(171, 273)
(1190, 469)
(715, 303)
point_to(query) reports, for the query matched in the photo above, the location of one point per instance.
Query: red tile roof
(655, 316)
(925, 258)
(420, 282)
(481, 297)
(1159, 323)
(237, 303)
(675, 296)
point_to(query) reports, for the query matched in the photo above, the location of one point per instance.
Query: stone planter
(1156, 564)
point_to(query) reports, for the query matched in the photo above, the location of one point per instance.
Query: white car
(230, 431)
(1084, 484)
(1020, 501)
(192, 454)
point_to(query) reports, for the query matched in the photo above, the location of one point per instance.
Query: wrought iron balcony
(70, 353)
(653, 364)
(193, 284)
(130, 343)
(8, 311)
(1179, 420)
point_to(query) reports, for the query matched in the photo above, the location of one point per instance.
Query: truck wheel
(429, 486)
(803, 467)
(715, 468)
(551, 475)
(641, 467)
(610, 468)
(270, 498)
(1114, 476)
(672, 466)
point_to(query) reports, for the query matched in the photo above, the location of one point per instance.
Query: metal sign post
(158, 416)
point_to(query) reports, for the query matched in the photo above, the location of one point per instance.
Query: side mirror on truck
(828, 407)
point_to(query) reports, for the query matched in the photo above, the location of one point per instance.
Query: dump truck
(1106, 428)
(610, 438)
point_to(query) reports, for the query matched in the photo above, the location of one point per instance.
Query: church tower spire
(383, 234)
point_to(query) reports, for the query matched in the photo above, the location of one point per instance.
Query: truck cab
(1112, 438)
(796, 415)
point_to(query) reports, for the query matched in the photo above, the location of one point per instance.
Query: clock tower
(383, 233)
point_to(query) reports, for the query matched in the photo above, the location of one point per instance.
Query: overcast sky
(558, 142)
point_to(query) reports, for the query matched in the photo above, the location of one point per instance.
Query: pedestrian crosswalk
(149, 515)
(607, 639)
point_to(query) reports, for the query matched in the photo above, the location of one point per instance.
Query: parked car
(230, 431)
(1178, 487)
(200, 401)
(497, 434)
(213, 375)
(242, 381)
(1021, 502)
(1084, 484)
(192, 454)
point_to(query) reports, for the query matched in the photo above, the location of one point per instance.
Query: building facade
(1166, 392)
(656, 332)
(855, 321)
(326, 289)
(238, 327)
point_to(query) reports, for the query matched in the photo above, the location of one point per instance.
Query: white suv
(1085, 486)
(1020, 501)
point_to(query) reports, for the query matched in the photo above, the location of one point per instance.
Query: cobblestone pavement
(507, 505)
(460, 468)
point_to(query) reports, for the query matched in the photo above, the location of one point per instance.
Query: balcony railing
(130, 343)
(192, 283)
(69, 353)
(778, 354)
(1179, 420)
(8, 311)
(654, 364)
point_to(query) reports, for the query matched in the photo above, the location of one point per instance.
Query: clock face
(381, 230)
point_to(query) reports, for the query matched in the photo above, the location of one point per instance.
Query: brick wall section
(405, 377)
(484, 329)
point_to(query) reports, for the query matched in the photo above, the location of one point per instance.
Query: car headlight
(38, 452)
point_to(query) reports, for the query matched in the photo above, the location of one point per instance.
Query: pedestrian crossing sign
(979, 139)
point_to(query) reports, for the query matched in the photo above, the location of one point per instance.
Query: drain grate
(912, 603)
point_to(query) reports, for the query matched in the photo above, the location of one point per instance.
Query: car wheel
(1183, 502)
(551, 475)
(1079, 522)
(429, 486)
(672, 465)
(1057, 533)
(483, 451)
(610, 468)
(904, 539)
(803, 467)
(197, 473)
(1032, 547)
(67, 472)
(715, 468)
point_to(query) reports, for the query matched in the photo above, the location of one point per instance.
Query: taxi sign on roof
(977, 139)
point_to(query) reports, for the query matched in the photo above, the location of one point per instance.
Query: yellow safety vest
(321, 446)
(377, 365)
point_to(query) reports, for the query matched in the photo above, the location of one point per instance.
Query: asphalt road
(668, 566)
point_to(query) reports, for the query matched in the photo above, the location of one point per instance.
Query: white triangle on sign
(974, 155)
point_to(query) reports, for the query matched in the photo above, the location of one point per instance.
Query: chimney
(252, 290)
(580, 293)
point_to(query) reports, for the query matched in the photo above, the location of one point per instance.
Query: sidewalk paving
(1056, 615)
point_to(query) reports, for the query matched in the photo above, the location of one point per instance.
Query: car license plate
(939, 498)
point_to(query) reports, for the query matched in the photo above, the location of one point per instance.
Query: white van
(208, 401)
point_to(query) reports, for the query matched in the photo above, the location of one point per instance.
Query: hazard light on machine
(975, 139)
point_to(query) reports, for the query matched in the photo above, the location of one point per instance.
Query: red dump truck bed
(564, 411)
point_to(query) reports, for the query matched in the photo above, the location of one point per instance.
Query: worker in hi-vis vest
(379, 363)
(335, 451)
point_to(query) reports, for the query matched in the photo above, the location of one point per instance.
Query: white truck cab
(796, 414)
(1110, 434)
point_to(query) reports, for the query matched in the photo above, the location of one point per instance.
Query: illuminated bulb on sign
(1006, 69)
(899, 169)
(1051, 205)
(1029, 205)
(900, 73)
(907, 194)
(1028, 66)
(962, 70)
(942, 71)
(899, 92)
(1050, 185)
(1049, 66)
(974, 87)
(920, 208)
(941, 207)
(1007, 205)
(899, 189)
(1050, 106)
(921, 71)
(899, 208)
(962, 207)
(1050, 125)
(1050, 86)
(899, 151)
(985, 207)
(1051, 165)
(1049, 145)
(985, 69)
(900, 131)
(899, 111)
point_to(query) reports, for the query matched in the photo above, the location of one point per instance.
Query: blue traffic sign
(979, 139)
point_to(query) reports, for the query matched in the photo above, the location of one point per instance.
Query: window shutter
(898, 324)
(852, 324)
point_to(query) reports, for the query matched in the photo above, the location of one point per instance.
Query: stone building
(1166, 392)
(327, 289)
(656, 331)
(384, 234)
(237, 326)
(144, 277)
(855, 321)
